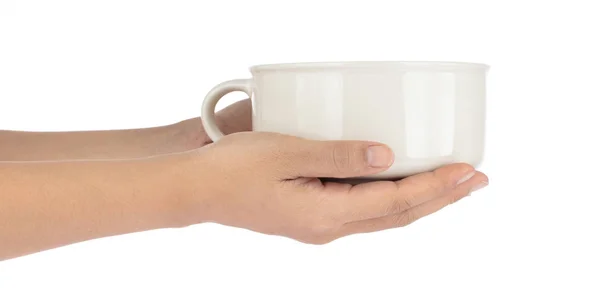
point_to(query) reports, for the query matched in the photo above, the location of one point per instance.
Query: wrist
(187, 193)
(185, 135)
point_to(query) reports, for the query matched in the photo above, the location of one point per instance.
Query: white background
(529, 239)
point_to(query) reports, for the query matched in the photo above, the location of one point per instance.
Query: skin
(122, 144)
(268, 183)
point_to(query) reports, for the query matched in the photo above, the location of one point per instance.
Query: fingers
(291, 157)
(336, 159)
(412, 214)
(235, 118)
(380, 199)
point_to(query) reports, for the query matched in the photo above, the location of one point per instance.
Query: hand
(234, 118)
(269, 183)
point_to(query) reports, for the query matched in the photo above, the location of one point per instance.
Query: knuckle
(341, 157)
(431, 183)
(455, 198)
(410, 217)
(404, 219)
(442, 180)
(437, 185)
(401, 204)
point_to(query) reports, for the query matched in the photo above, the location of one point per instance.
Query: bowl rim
(401, 65)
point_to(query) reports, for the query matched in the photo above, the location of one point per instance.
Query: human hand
(269, 183)
(234, 118)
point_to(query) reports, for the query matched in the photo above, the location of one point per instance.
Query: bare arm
(131, 143)
(44, 205)
(263, 182)
(67, 187)
(110, 144)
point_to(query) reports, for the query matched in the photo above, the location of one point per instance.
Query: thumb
(338, 159)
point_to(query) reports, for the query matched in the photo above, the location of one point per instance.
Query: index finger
(383, 198)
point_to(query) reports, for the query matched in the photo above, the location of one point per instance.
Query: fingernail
(379, 156)
(465, 178)
(479, 186)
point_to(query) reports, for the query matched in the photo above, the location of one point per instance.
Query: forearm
(45, 205)
(109, 144)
